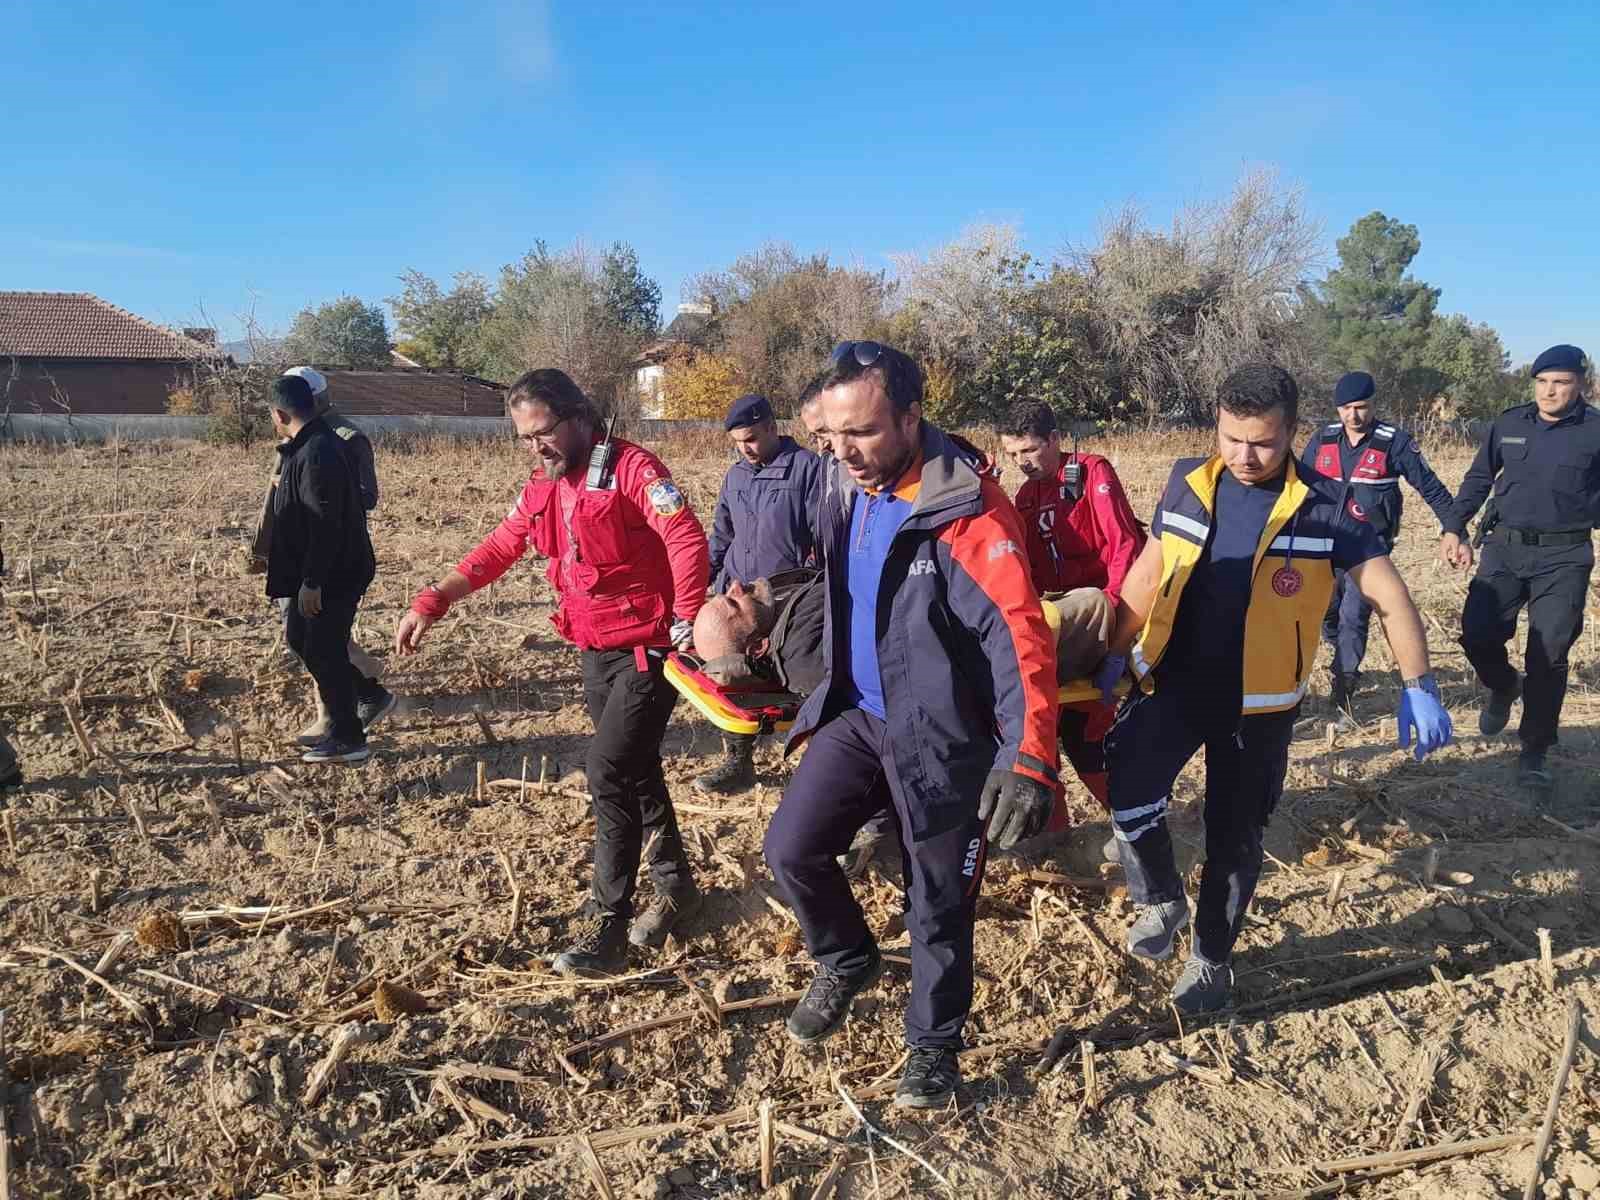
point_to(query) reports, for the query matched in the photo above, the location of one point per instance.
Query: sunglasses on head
(865, 353)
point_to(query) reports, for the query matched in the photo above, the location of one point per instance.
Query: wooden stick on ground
(768, 1143)
(5, 1136)
(121, 997)
(483, 725)
(346, 1037)
(1574, 1027)
(79, 732)
(591, 1162)
(223, 997)
(830, 1177)
(1577, 833)
(1427, 1068)
(1408, 1158)
(515, 918)
(1338, 985)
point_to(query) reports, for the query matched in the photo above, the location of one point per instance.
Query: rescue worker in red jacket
(1081, 534)
(629, 563)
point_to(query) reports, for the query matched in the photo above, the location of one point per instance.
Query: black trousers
(323, 642)
(838, 786)
(366, 689)
(630, 708)
(8, 757)
(1246, 759)
(1553, 582)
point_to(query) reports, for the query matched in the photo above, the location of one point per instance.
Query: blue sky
(185, 157)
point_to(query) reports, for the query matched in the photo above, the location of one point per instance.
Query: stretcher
(764, 709)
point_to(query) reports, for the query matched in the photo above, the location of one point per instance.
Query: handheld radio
(1072, 477)
(601, 458)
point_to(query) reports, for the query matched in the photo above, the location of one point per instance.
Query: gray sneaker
(1203, 987)
(1156, 927)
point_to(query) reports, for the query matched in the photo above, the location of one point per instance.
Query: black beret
(1561, 358)
(1353, 386)
(748, 410)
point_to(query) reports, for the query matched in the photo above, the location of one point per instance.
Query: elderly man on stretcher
(758, 653)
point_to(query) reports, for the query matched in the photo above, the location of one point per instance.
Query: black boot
(1344, 687)
(826, 1004)
(931, 1077)
(667, 912)
(1497, 710)
(737, 770)
(1532, 771)
(601, 948)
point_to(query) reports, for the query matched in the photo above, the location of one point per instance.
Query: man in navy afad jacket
(763, 527)
(1369, 457)
(938, 688)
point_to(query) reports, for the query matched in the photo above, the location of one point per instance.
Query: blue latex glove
(1422, 711)
(1108, 674)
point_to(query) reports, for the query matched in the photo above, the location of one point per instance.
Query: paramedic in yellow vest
(1219, 619)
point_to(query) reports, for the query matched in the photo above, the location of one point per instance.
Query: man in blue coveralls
(763, 527)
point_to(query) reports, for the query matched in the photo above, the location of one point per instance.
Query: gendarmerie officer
(628, 563)
(1370, 457)
(763, 526)
(1542, 463)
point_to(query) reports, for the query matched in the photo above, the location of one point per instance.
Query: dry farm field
(226, 974)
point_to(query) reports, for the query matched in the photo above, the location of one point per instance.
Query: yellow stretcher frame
(715, 708)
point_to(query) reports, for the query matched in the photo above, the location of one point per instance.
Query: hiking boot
(737, 770)
(601, 948)
(1532, 771)
(827, 1003)
(931, 1077)
(1497, 710)
(666, 913)
(370, 712)
(319, 729)
(338, 750)
(1203, 987)
(1156, 927)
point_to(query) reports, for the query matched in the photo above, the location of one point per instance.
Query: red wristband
(431, 603)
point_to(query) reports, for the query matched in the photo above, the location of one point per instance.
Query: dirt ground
(247, 909)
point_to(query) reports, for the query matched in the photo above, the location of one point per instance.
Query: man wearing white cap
(374, 702)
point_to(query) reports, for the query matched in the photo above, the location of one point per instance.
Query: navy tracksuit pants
(838, 786)
(1553, 581)
(1153, 738)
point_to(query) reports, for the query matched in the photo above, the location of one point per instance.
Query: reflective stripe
(1144, 810)
(1261, 700)
(1386, 481)
(1035, 764)
(1302, 545)
(1183, 524)
(1129, 835)
(1385, 431)
(1140, 666)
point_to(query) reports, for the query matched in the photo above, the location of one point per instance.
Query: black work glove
(1015, 806)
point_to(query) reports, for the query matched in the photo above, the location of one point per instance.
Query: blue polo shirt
(875, 517)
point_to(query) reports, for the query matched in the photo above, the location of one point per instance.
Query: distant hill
(243, 352)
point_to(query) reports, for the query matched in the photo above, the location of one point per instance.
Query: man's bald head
(735, 622)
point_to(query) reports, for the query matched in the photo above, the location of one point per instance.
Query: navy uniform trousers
(1153, 738)
(838, 786)
(1553, 582)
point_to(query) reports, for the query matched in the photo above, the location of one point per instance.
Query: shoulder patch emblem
(665, 497)
(345, 431)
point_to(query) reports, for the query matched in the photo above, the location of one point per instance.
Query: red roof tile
(412, 392)
(78, 325)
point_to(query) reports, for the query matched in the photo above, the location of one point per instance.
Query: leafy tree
(1368, 314)
(1473, 369)
(699, 385)
(555, 309)
(343, 332)
(778, 314)
(631, 297)
(442, 327)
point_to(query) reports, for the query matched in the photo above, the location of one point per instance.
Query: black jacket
(319, 525)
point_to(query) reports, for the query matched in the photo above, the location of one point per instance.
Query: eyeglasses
(543, 436)
(865, 353)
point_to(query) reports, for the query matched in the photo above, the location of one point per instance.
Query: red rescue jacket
(1088, 542)
(639, 557)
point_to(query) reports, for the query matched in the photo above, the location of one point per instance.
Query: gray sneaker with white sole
(1155, 928)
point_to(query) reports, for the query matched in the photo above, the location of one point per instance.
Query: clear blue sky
(181, 155)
